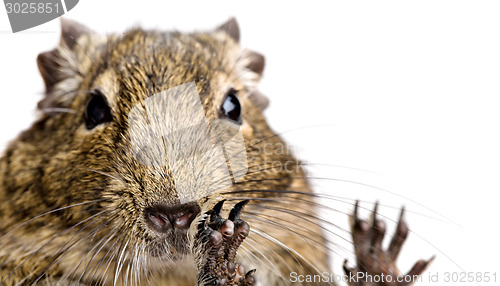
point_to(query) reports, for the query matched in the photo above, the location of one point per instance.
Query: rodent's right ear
(53, 64)
(71, 31)
(64, 66)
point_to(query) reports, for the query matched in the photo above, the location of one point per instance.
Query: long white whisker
(72, 246)
(280, 243)
(38, 250)
(107, 237)
(49, 212)
(121, 261)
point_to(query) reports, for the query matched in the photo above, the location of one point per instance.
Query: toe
(378, 233)
(227, 228)
(399, 237)
(420, 267)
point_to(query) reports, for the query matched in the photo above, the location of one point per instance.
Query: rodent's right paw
(217, 241)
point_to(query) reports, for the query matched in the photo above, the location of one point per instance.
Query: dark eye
(231, 107)
(97, 111)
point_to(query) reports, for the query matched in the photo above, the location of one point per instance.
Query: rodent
(80, 204)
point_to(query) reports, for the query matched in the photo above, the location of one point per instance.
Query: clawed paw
(373, 260)
(219, 240)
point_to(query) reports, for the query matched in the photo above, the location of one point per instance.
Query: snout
(167, 218)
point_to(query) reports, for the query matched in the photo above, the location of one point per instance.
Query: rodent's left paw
(219, 240)
(374, 260)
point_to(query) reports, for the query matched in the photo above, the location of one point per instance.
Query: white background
(402, 98)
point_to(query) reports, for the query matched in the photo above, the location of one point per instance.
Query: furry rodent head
(79, 163)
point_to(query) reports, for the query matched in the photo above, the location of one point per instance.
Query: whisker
(49, 212)
(105, 174)
(300, 214)
(38, 250)
(57, 110)
(340, 199)
(121, 261)
(271, 265)
(248, 148)
(312, 203)
(107, 263)
(294, 229)
(284, 246)
(59, 257)
(107, 237)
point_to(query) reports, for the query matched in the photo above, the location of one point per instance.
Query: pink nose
(165, 218)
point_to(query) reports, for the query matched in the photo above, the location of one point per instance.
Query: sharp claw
(402, 214)
(236, 211)
(350, 271)
(216, 210)
(356, 206)
(402, 227)
(249, 278)
(375, 213)
(345, 266)
(354, 218)
(216, 221)
(201, 225)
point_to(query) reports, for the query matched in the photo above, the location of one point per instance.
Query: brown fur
(57, 163)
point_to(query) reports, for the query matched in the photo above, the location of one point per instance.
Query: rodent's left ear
(255, 62)
(231, 28)
(259, 100)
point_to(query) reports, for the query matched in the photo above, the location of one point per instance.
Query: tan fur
(58, 163)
